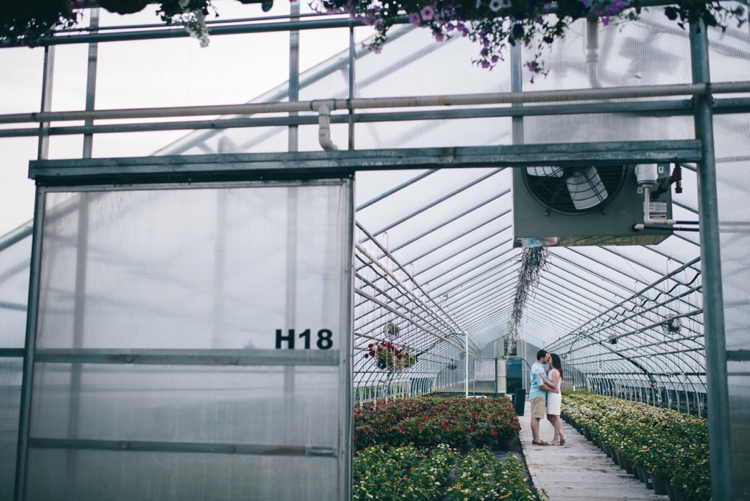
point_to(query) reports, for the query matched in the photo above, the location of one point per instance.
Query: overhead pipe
(636, 92)
(592, 53)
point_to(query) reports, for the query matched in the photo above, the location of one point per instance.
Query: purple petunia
(427, 13)
(414, 18)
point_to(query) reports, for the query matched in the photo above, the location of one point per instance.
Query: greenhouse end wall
(192, 343)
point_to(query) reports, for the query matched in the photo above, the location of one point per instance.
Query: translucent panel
(10, 401)
(14, 291)
(733, 161)
(186, 404)
(739, 411)
(200, 268)
(256, 270)
(63, 475)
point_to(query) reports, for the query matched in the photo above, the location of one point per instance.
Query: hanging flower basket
(388, 356)
(494, 24)
(535, 24)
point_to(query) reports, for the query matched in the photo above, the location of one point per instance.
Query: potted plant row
(440, 473)
(429, 421)
(665, 449)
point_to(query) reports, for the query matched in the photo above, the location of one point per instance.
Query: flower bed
(431, 421)
(441, 473)
(671, 445)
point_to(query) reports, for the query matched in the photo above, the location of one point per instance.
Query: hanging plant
(533, 261)
(495, 24)
(390, 357)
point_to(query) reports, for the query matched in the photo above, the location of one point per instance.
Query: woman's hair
(557, 363)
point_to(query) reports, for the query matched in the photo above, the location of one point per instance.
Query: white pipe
(324, 128)
(592, 53)
(387, 102)
(466, 359)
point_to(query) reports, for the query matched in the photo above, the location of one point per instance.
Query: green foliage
(26, 21)
(672, 445)
(479, 476)
(431, 421)
(407, 472)
(495, 24)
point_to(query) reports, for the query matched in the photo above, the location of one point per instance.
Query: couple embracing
(545, 396)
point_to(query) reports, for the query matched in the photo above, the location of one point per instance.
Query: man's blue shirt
(536, 382)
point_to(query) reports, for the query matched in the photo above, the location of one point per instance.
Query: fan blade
(545, 171)
(586, 189)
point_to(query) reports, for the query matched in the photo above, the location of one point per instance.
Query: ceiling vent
(583, 204)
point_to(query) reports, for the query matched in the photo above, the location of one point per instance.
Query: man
(538, 396)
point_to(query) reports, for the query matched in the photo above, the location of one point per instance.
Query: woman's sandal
(562, 441)
(541, 442)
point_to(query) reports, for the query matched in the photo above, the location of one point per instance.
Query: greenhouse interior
(286, 265)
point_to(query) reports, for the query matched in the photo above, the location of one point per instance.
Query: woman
(554, 399)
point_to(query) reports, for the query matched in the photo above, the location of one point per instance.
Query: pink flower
(428, 13)
(414, 18)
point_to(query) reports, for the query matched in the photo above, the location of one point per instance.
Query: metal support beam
(516, 85)
(24, 420)
(47, 81)
(326, 163)
(719, 425)
(88, 139)
(350, 82)
(294, 74)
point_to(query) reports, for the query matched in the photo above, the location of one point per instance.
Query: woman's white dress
(554, 400)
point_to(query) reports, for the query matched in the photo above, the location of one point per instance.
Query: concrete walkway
(578, 470)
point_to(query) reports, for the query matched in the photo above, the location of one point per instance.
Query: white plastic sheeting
(190, 329)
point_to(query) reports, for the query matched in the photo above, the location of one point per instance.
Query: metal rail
(641, 92)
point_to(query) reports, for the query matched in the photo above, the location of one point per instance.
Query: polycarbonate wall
(15, 249)
(733, 167)
(579, 283)
(192, 344)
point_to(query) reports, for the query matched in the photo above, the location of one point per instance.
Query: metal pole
(352, 58)
(294, 74)
(24, 421)
(466, 359)
(719, 432)
(516, 85)
(88, 139)
(47, 79)
(568, 95)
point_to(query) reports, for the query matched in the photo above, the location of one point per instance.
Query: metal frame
(467, 276)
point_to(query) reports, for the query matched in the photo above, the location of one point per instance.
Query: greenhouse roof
(435, 250)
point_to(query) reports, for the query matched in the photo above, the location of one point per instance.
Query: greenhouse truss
(434, 265)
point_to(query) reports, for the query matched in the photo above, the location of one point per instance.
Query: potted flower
(389, 356)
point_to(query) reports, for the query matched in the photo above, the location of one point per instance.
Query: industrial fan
(574, 190)
(583, 204)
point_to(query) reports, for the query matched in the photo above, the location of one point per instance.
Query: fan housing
(583, 204)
